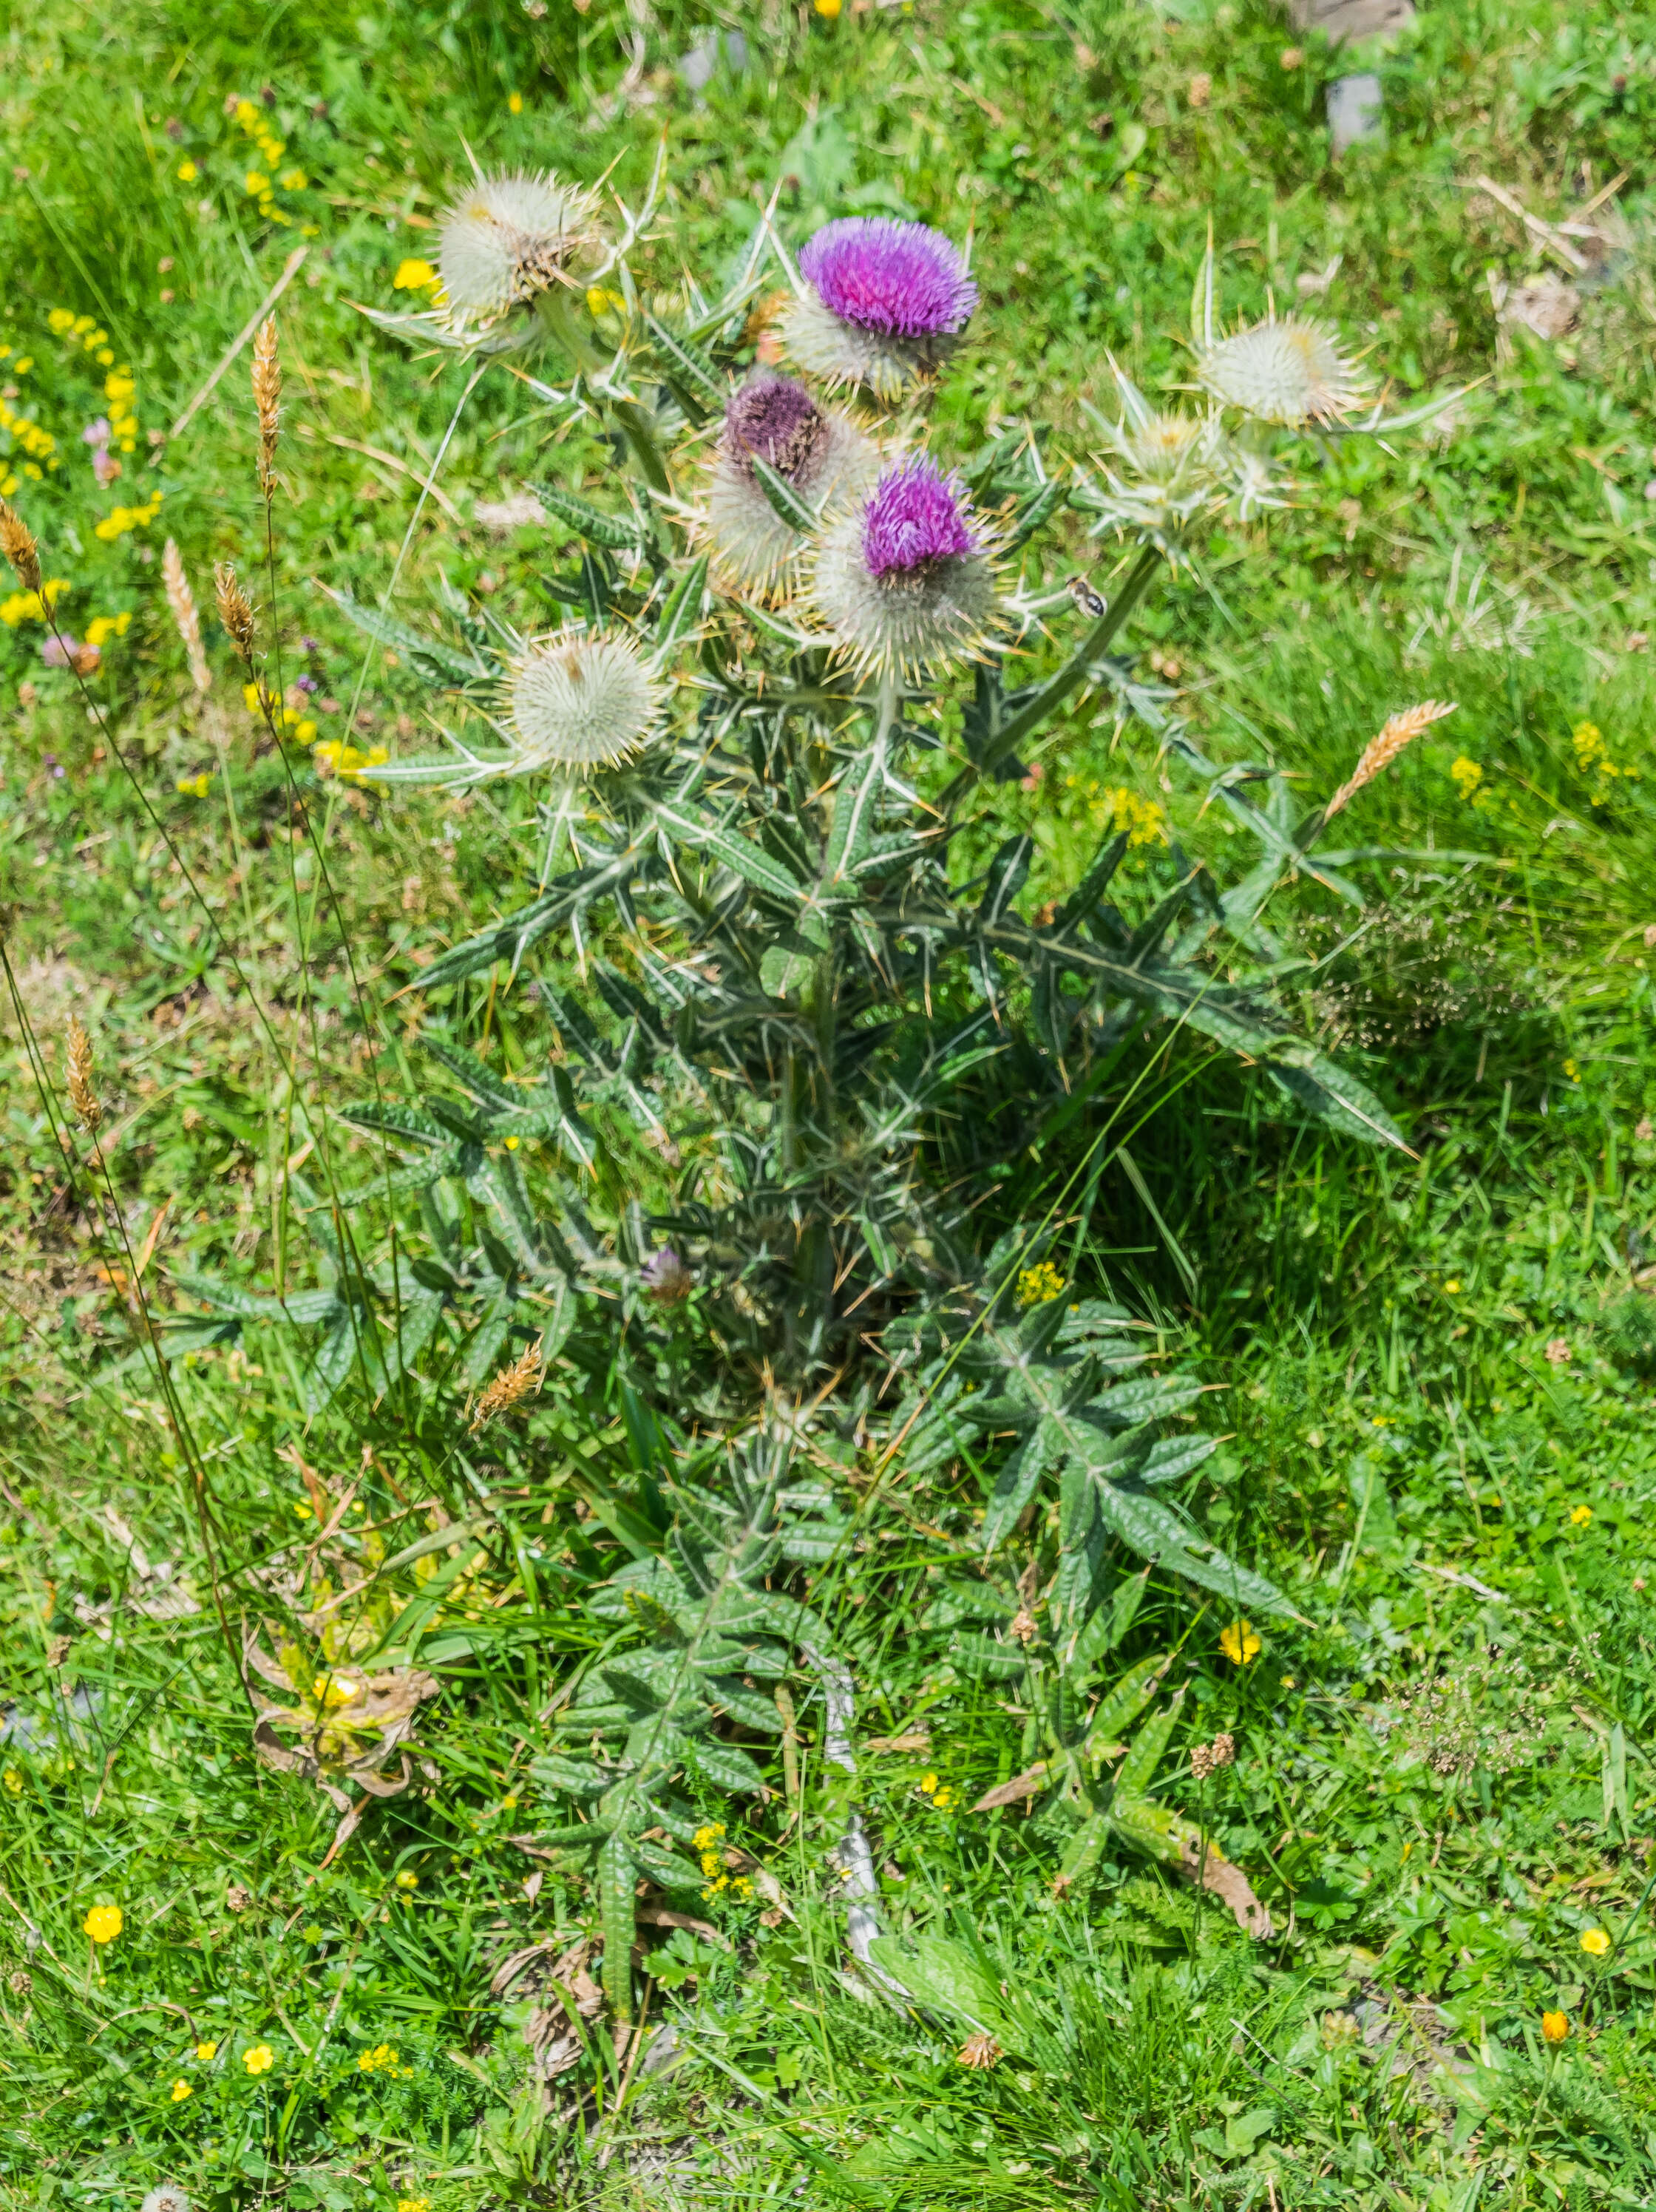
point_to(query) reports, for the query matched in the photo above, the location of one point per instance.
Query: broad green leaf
(944, 1977)
(1146, 1752)
(1020, 1478)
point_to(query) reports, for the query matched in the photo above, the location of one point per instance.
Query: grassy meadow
(1430, 1367)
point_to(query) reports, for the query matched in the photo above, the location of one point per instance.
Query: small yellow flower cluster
(335, 758)
(31, 606)
(1467, 776)
(119, 386)
(1580, 1515)
(1040, 1284)
(1593, 758)
(598, 300)
(120, 520)
(13, 1781)
(102, 628)
(1239, 1642)
(84, 330)
(414, 2204)
(415, 276)
(943, 1798)
(1119, 809)
(383, 2059)
(291, 717)
(194, 786)
(707, 1841)
(258, 186)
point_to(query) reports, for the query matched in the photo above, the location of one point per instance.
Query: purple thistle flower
(775, 418)
(905, 583)
(904, 280)
(883, 304)
(667, 1280)
(819, 452)
(914, 518)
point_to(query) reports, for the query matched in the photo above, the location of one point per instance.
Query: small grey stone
(1357, 111)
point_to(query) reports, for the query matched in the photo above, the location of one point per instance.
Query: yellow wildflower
(828, 10)
(102, 628)
(188, 173)
(1579, 1516)
(413, 275)
(1595, 1942)
(207, 2052)
(929, 1784)
(260, 2059)
(705, 1839)
(335, 758)
(1039, 1284)
(103, 1923)
(256, 183)
(13, 1780)
(1467, 774)
(248, 116)
(191, 786)
(1240, 1643)
(181, 2089)
(1452, 1290)
(414, 2204)
(1555, 2026)
(514, 103)
(293, 181)
(407, 1881)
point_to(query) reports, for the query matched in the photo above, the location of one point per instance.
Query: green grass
(1400, 1442)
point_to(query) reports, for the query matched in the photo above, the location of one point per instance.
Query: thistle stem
(1068, 678)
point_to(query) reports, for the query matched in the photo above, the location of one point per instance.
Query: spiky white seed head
(505, 238)
(1161, 472)
(905, 582)
(580, 699)
(1287, 372)
(817, 452)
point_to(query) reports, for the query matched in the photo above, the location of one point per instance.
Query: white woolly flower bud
(1287, 372)
(507, 238)
(578, 699)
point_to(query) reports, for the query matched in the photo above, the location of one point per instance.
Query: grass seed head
(83, 1096)
(17, 542)
(187, 615)
(1380, 752)
(267, 397)
(520, 1380)
(233, 610)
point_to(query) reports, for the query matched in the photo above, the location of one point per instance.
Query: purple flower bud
(820, 452)
(902, 279)
(96, 434)
(914, 518)
(307, 684)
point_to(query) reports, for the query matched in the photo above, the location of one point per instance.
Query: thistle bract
(817, 452)
(578, 699)
(885, 300)
(905, 582)
(507, 238)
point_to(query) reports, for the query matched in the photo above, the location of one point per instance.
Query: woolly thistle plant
(793, 649)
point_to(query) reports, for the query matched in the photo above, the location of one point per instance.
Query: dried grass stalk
(522, 1379)
(17, 543)
(187, 615)
(83, 1096)
(267, 396)
(1380, 753)
(233, 610)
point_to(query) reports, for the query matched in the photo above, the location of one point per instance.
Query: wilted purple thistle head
(776, 419)
(667, 1280)
(818, 451)
(904, 280)
(914, 518)
(906, 583)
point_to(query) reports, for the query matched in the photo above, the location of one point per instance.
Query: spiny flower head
(1287, 372)
(902, 279)
(578, 699)
(905, 582)
(817, 452)
(506, 239)
(884, 302)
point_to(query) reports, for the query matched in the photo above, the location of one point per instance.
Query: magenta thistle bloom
(884, 304)
(902, 279)
(906, 582)
(817, 452)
